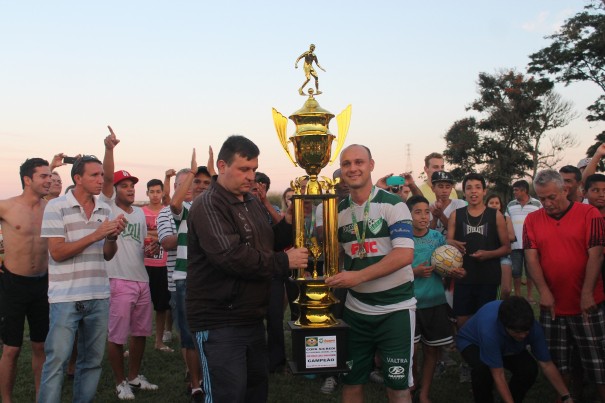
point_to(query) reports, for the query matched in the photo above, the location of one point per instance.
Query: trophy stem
(313, 186)
(314, 301)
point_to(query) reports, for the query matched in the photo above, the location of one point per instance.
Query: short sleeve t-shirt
(83, 276)
(517, 214)
(485, 331)
(562, 245)
(127, 264)
(453, 206)
(428, 290)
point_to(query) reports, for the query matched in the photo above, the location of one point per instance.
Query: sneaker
(167, 336)
(197, 396)
(465, 373)
(376, 376)
(329, 385)
(124, 392)
(140, 382)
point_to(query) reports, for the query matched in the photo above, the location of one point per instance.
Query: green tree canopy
(577, 53)
(516, 114)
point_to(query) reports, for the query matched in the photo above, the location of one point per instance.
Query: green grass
(167, 370)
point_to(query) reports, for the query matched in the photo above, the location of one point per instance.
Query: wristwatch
(565, 398)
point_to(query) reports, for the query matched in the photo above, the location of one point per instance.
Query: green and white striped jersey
(389, 226)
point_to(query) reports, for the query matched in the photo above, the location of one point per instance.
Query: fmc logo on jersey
(369, 246)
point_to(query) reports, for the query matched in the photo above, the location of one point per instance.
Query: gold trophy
(312, 143)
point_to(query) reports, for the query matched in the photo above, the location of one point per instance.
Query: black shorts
(22, 297)
(158, 285)
(433, 326)
(468, 298)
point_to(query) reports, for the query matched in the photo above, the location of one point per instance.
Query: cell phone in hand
(69, 160)
(395, 181)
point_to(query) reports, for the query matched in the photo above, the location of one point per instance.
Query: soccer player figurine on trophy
(309, 57)
(312, 143)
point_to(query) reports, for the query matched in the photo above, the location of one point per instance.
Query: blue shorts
(518, 262)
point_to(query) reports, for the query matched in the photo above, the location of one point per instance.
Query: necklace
(361, 239)
(468, 220)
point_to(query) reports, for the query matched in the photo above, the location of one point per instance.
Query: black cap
(442, 176)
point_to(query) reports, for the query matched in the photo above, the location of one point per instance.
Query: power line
(408, 157)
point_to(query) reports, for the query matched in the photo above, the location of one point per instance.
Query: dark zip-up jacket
(232, 255)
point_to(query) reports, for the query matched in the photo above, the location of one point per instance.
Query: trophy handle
(344, 120)
(281, 127)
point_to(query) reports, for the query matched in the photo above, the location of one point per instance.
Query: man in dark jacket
(232, 257)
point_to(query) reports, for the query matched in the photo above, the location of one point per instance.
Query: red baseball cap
(119, 176)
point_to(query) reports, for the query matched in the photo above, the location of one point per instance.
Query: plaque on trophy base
(318, 350)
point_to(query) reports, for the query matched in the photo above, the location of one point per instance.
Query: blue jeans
(89, 318)
(180, 314)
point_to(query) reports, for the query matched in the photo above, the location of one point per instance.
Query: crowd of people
(88, 269)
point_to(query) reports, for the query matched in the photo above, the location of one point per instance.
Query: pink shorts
(129, 310)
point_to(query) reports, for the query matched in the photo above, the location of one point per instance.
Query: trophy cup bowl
(312, 151)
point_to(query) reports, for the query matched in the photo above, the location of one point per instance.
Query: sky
(170, 76)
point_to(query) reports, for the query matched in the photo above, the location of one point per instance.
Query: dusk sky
(170, 76)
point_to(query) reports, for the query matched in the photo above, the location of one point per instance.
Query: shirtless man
(309, 57)
(24, 274)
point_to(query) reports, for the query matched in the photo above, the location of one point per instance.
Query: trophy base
(319, 350)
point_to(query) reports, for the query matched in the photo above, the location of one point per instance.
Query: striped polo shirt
(166, 228)
(180, 267)
(389, 226)
(517, 214)
(84, 276)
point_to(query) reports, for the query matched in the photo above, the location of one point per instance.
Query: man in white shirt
(130, 306)
(517, 210)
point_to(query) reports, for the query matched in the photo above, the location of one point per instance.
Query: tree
(555, 113)
(600, 139)
(577, 53)
(517, 114)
